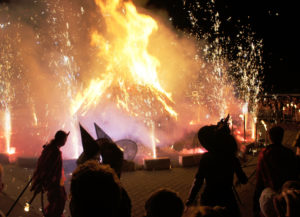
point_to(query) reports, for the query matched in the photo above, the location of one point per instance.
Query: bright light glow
(35, 119)
(11, 151)
(153, 140)
(27, 207)
(264, 124)
(254, 127)
(7, 129)
(245, 108)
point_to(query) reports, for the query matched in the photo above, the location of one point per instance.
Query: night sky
(275, 22)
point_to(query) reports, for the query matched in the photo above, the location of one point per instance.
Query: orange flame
(124, 50)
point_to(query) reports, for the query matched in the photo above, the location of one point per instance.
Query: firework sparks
(7, 130)
(118, 62)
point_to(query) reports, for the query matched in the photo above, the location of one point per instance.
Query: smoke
(49, 60)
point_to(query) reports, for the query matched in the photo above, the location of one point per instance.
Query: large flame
(124, 50)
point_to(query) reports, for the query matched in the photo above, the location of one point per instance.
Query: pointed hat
(100, 133)
(90, 146)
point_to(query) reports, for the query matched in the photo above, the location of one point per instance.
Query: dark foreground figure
(111, 155)
(164, 202)
(49, 176)
(96, 191)
(217, 168)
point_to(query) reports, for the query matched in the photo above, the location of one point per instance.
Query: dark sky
(275, 22)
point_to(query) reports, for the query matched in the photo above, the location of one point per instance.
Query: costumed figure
(217, 168)
(105, 151)
(49, 175)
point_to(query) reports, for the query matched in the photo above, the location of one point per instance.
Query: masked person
(217, 168)
(49, 175)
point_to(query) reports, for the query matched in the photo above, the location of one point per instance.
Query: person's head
(1, 178)
(266, 202)
(217, 139)
(209, 211)
(60, 138)
(164, 202)
(112, 155)
(95, 191)
(276, 134)
(207, 138)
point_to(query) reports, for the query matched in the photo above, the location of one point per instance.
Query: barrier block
(4, 158)
(162, 163)
(27, 162)
(189, 160)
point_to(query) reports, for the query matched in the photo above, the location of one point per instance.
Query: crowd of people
(279, 109)
(96, 189)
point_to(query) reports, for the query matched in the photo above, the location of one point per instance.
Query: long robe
(49, 177)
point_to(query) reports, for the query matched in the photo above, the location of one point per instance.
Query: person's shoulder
(263, 151)
(1, 214)
(288, 150)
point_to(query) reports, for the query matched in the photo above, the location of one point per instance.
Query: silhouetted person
(208, 211)
(49, 175)
(276, 164)
(164, 203)
(108, 153)
(92, 151)
(217, 168)
(95, 191)
(112, 155)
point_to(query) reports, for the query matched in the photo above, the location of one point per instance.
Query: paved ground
(139, 184)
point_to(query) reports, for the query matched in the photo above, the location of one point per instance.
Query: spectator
(95, 191)
(111, 155)
(287, 203)
(91, 150)
(208, 211)
(216, 168)
(164, 203)
(276, 164)
(266, 203)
